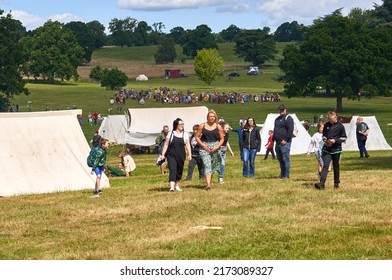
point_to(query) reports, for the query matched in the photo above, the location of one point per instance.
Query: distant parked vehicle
(252, 72)
(183, 75)
(234, 74)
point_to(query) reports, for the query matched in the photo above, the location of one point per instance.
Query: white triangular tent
(142, 77)
(145, 124)
(44, 152)
(299, 144)
(375, 140)
(114, 128)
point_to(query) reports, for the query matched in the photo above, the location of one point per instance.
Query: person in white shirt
(316, 145)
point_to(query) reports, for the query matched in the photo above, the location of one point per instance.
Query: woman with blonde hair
(210, 138)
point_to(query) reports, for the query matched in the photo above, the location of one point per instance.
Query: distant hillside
(140, 60)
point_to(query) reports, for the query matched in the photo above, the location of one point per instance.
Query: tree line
(344, 55)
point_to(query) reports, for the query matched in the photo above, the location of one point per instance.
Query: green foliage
(52, 52)
(84, 36)
(113, 79)
(140, 34)
(166, 52)
(255, 46)
(97, 73)
(208, 65)
(177, 34)
(98, 31)
(230, 33)
(288, 32)
(342, 55)
(200, 38)
(122, 31)
(11, 57)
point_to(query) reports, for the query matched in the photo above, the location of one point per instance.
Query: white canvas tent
(375, 141)
(114, 128)
(142, 77)
(146, 124)
(44, 152)
(299, 144)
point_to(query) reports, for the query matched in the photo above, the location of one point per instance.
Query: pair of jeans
(362, 148)
(249, 162)
(223, 163)
(283, 156)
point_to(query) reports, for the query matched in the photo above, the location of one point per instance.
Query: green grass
(261, 218)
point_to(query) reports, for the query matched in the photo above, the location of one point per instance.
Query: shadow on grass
(55, 83)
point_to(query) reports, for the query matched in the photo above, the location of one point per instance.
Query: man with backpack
(97, 161)
(283, 133)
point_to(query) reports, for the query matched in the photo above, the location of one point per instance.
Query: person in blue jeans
(251, 144)
(225, 147)
(283, 131)
(362, 133)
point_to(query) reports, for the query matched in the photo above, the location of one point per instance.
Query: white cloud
(28, 20)
(305, 11)
(155, 5)
(241, 8)
(31, 22)
(65, 18)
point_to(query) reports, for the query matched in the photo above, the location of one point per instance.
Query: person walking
(159, 143)
(239, 133)
(251, 144)
(334, 134)
(270, 145)
(174, 150)
(283, 131)
(96, 139)
(362, 133)
(225, 146)
(196, 158)
(210, 138)
(316, 146)
(97, 161)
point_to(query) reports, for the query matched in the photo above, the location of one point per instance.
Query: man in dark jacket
(283, 131)
(334, 135)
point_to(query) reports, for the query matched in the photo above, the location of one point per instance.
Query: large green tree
(197, 39)
(52, 52)
(141, 33)
(122, 31)
(84, 36)
(230, 33)
(255, 46)
(177, 33)
(208, 65)
(11, 57)
(343, 56)
(98, 30)
(288, 32)
(113, 79)
(166, 52)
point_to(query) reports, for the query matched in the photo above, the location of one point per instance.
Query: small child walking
(270, 145)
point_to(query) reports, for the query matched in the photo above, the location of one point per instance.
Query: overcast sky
(217, 14)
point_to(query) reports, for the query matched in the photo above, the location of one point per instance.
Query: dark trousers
(362, 149)
(176, 167)
(269, 150)
(327, 158)
(196, 160)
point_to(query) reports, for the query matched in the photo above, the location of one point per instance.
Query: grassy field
(259, 218)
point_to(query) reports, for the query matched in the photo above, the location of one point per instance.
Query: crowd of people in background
(166, 95)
